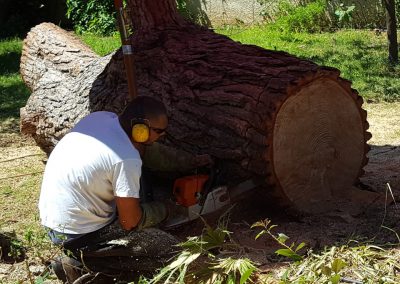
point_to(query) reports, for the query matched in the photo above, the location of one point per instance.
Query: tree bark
(153, 14)
(391, 31)
(261, 113)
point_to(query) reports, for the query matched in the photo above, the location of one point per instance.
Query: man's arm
(133, 214)
(160, 157)
(129, 212)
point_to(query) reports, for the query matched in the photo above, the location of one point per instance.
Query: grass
(360, 55)
(13, 92)
(101, 45)
(383, 119)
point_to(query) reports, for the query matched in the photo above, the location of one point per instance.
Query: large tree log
(262, 113)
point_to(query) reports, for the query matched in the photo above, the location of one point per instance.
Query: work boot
(73, 269)
(75, 273)
(58, 270)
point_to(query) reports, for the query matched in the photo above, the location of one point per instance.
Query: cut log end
(318, 145)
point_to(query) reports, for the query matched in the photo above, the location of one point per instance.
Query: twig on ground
(348, 280)
(390, 229)
(30, 155)
(29, 272)
(391, 193)
(381, 152)
(39, 172)
(384, 214)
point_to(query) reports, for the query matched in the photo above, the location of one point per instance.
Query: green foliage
(287, 251)
(192, 11)
(336, 14)
(332, 271)
(303, 18)
(345, 14)
(93, 16)
(42, 279)
(212, 257)
(11, 248)
(99, 17)
(397, 8)
(39, 246)
(16, 249)
(37, 240)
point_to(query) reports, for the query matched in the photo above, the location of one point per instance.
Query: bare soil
(363, 220)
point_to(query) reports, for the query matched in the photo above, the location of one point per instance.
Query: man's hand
(203, 160)
(177, 215)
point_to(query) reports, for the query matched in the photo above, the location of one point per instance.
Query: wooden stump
(262, 113)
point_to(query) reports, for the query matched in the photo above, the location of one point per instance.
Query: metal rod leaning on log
(127, 50)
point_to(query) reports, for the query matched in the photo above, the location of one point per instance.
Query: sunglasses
(159, 131)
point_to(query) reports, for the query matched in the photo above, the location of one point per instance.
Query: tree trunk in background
(392, 31)
(262, 113)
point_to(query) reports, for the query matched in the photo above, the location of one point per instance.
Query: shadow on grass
(12, 98)
(9, 62)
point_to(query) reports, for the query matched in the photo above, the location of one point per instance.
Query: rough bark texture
(223, 97)
(149, 15)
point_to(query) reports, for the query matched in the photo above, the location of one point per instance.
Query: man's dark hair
(143, 107)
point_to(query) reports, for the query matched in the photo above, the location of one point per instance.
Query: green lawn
(101, 45)
(360, 55)
(13, 92)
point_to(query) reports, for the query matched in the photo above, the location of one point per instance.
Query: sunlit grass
(102, 45)
(383, 120)
(360, 55)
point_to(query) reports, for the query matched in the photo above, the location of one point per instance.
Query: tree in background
(391, 30)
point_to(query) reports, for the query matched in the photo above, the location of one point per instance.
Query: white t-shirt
(90, 165)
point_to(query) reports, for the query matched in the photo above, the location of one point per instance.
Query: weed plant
(212, 257)
(364, 263)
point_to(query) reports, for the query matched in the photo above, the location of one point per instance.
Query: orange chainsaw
(198, 195)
